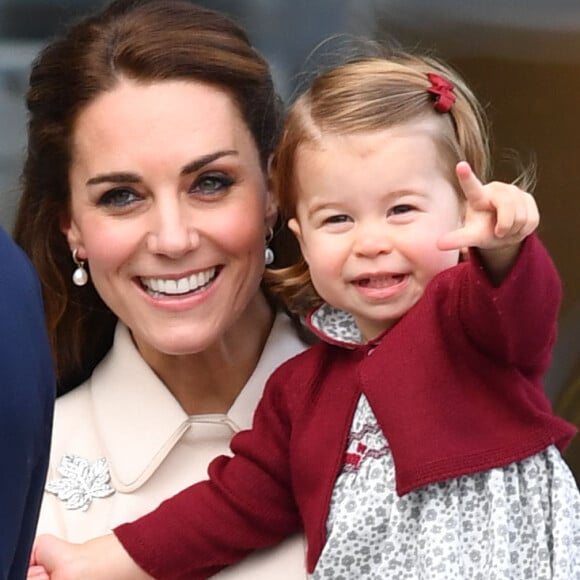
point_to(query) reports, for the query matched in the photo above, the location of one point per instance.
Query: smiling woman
(167, 210)
(146, 211)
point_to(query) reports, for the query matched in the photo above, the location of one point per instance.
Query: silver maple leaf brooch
(81, 481)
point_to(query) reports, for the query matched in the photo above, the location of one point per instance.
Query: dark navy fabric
(27, 391)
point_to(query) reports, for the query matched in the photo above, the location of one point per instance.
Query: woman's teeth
(176, 287)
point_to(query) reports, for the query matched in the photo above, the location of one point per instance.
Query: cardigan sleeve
(515, 322)
(247, 504)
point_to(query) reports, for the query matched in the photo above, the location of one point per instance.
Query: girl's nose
(372, 240)
(172, 232)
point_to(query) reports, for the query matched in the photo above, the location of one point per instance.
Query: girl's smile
(370, 210)
(380, 286)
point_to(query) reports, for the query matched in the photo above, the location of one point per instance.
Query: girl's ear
(294, 227)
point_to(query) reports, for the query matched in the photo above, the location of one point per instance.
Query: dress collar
(337, 327)
(140, 422)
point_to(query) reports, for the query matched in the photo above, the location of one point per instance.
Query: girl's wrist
(105, 558)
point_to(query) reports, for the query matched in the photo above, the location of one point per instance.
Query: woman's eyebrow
(127, 177)
(114, 178)
(205, 160)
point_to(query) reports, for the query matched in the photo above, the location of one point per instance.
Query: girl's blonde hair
(372, 94)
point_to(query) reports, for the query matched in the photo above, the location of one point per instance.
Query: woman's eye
(118, 197)
(212, 183)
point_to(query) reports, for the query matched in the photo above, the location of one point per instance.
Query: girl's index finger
(470, 184)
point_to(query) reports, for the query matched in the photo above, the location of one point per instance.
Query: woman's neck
(210, 381)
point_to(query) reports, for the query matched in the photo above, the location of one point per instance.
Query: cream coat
(125, 417)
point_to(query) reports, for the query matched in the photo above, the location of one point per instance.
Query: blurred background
(522, 57)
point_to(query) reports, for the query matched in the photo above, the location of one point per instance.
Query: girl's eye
(400, 209)
(118, 198)
(337, 219)
(212, 183)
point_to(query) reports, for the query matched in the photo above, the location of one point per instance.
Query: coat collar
(139, 421)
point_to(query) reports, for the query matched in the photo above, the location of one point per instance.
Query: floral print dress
(520, 521)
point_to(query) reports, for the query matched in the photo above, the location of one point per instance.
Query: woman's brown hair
(143, 40)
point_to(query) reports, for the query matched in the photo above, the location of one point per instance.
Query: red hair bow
(443, 91)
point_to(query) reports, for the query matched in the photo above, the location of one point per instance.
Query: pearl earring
(80, 276)
(268, 255)
(268, 251)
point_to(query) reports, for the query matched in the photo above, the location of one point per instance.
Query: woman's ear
(271, 205)
(73, 235)
(271, 210)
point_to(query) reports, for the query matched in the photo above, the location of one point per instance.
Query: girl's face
(169, 207)
(370, 210)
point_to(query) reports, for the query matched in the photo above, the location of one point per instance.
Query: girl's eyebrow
(126, 177)
(323, 204)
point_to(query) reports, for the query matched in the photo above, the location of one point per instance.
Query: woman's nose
(172, 232)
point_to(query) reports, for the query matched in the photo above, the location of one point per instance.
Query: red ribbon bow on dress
(443, 91)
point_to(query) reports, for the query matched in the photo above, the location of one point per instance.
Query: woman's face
(169, 206)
